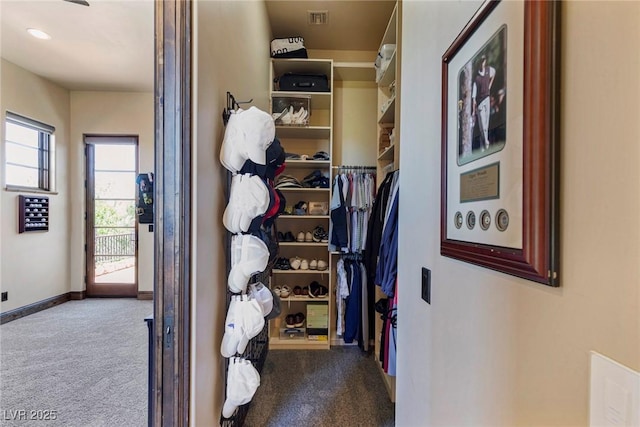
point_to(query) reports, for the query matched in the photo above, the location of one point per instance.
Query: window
(29, 153)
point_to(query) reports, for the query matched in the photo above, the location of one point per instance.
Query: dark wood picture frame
(538, 258)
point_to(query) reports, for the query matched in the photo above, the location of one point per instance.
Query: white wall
(109, 113)
(60, 251)
(496, 350)
(354, 111)
(231, 54)
(35, 265)
(354, 123)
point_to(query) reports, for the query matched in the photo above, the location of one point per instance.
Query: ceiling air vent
(317, 17)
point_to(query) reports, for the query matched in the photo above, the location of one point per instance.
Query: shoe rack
(307, 136)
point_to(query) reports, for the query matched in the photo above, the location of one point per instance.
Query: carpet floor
(85, 362)
(339, 387)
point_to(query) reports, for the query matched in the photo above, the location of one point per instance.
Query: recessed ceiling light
(39, 34)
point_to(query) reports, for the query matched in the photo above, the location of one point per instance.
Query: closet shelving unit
(303, 140)
(354, 71)
(388, 99)
(388, 154)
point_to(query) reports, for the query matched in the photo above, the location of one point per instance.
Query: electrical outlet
(5, 296)
(426, 285)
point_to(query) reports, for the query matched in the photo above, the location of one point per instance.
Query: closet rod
(354, 167)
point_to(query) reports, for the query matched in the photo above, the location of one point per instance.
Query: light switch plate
(426, 285)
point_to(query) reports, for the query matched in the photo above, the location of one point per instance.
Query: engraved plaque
(480, 184)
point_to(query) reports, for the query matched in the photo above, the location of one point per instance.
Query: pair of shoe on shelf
(297, 263)
(282, 264)
(320, 235)
(285, 291)
(305, 237)
(282, 291)
(286, 237)
(294, 320)
(300, 291)
(316, 290)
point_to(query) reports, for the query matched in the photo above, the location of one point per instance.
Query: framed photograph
(499, 206)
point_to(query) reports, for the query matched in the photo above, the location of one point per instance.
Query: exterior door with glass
(112, 233)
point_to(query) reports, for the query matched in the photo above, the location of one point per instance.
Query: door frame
(106, 289)
(172, 214)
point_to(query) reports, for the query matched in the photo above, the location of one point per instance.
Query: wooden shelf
(274, 271)
(390, 73)
(388, 115)
(303, 132)
(302, 65)
(303, 190)
(354, 71)
(307, 140)
(390, 32)
(313, 164)
(304, 216)
(275, 343)
(319, 100)
(305, 298)
(303, 244)
(387, 154)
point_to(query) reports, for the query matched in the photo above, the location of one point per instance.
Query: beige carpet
(85, 362)
(338, 387)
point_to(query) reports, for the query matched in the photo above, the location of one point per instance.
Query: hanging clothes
(387, 269)
(352, 316)
(374, 229)
(342, 293)
(364, 321)
(352, 299)
(351, 203)
(380, 260)
(338, 229)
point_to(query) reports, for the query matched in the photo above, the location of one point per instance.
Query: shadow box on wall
(500, 156)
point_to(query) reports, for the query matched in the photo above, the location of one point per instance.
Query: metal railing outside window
(115, 247)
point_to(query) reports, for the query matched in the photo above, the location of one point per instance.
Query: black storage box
(303, 82)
